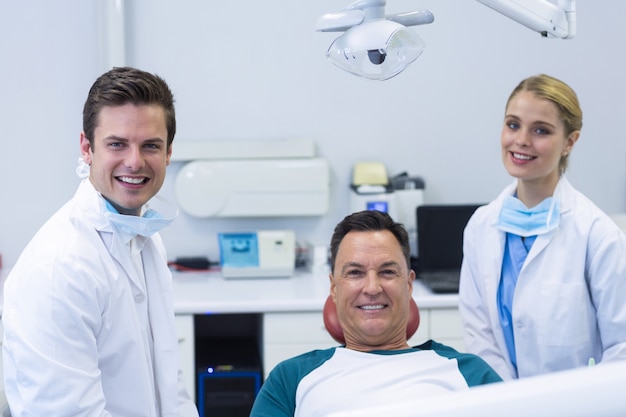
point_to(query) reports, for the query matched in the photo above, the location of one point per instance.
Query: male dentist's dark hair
(123, 85)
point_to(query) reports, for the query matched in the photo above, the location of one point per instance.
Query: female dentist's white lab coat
(570, 300)
(76, 325)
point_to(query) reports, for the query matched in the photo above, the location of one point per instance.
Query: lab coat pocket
(563, 314)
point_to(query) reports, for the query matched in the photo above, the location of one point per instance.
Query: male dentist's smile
(133, 180)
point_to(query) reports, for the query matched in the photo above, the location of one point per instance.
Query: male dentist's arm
(50, 352)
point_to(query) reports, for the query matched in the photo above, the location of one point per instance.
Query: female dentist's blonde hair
(561, 94)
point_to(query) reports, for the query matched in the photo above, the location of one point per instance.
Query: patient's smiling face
(371, 285)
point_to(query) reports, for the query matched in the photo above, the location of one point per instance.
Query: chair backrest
(331, 322)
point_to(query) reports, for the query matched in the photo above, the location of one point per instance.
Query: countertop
(209, 292)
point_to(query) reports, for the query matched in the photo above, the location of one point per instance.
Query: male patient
(371, 283)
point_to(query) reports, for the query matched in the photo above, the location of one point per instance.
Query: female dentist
(543, 279)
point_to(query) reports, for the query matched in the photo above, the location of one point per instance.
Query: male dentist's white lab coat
(77, 327)
(570, 299)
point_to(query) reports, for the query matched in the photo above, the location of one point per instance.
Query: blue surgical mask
(131, 226)
(146, 225)
(516, 218)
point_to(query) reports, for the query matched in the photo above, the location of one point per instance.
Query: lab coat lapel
(91, 202)
(161, 310)
(492, 283)
(121, 253)
(494, 248)
(538, 246)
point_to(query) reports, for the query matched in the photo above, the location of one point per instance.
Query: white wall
(256, 70)
(48, 61)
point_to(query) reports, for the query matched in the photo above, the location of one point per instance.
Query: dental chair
(331, 322)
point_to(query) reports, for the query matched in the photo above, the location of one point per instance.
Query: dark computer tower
(229, 376)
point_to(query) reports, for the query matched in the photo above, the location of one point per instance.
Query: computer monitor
(440, 235)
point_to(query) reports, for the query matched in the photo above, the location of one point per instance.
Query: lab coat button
(139, 298)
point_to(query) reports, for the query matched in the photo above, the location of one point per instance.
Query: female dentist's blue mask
(516, 218)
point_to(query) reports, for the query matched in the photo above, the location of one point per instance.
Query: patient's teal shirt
(322, 382)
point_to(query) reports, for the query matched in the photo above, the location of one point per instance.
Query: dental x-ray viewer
(543, 280)
(88, 314)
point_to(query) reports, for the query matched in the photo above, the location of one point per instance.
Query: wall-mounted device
(261, 254)
(549, 19)
(251, 179)
(257, 187)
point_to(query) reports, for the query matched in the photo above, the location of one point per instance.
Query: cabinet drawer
(296, 328)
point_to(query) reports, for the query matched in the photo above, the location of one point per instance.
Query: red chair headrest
(331, 322)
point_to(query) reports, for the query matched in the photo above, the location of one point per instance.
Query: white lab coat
(570, 300)
(74, 342)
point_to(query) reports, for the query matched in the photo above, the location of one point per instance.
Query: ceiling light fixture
(374, 46)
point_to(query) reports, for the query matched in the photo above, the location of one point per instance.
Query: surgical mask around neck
(146, 225)
(516, 218)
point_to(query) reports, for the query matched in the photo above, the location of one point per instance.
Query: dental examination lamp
(374, 46)
(549, 19)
